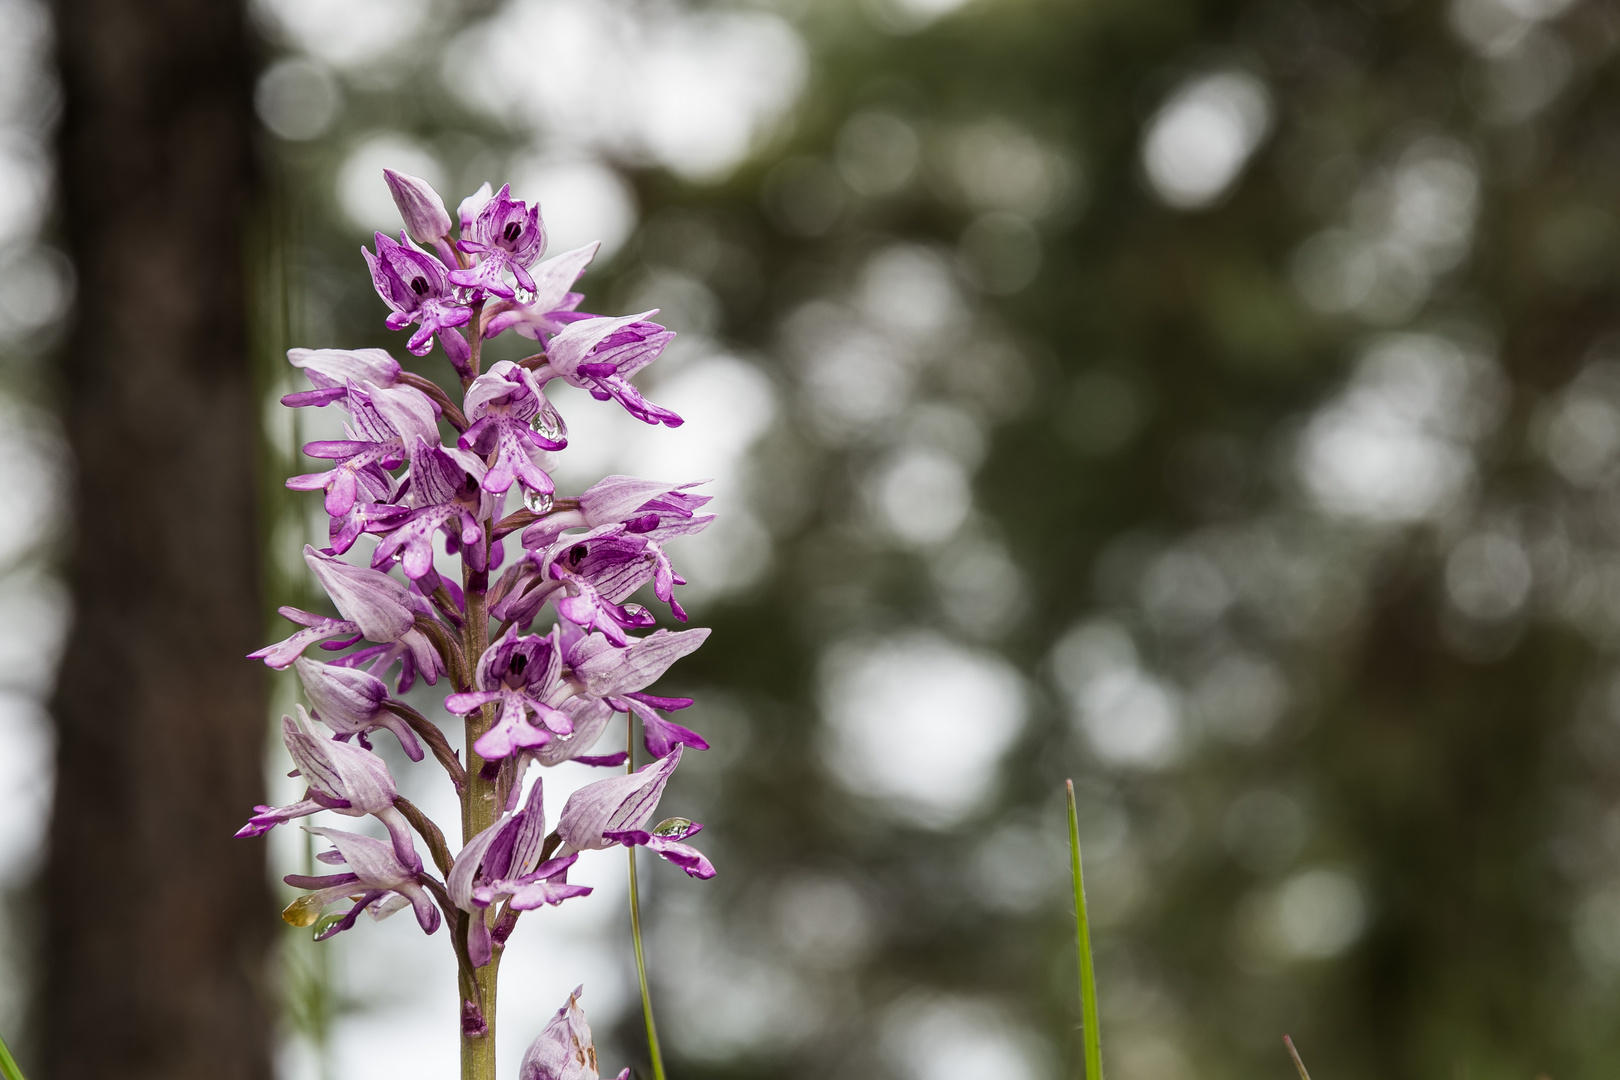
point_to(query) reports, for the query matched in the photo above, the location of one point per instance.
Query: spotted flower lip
(510, 420)
(415, 286)
(523, 673)
(502, 863)
(506, 236)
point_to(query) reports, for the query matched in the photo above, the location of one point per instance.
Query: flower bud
(426, 219)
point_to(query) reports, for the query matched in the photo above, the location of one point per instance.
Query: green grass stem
(1088, 974)
(1298, 1064)
(8, 1064)
(635, 930)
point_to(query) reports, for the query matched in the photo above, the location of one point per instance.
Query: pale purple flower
(349, 702)
(506, 235)
(615, 811)
(414, 284)
(510, 417)
(501, 863)
(444, 493)
(590, 577)
(643, 506)
(522, 673)
(553, 306)
(342, 777)
(600, 355)
(420, 207)
(331, 370)
(564, 1051)
(384, 424)
(383, 883)
(373, 606)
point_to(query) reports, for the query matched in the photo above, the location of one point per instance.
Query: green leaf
(8, 1064)
(1088, 973)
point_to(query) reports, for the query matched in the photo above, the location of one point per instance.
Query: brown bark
(159, 921)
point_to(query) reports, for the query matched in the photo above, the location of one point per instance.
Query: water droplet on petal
(537, 501)
(675, 827)
(303, 911)
(548, 425)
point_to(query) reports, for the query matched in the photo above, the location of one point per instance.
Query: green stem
(1298, 1064)
(8, 1064)
(1088, 972)
(479, 810)
(635, 923)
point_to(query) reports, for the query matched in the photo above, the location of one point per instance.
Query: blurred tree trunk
(159, 921)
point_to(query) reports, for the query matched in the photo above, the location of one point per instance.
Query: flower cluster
(525, 610)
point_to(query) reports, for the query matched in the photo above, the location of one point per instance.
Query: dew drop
(537, 501)
(675, 826)
(548, 425)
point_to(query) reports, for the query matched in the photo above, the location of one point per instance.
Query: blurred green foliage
(1323, 470)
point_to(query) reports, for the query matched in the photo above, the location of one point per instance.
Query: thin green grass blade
(653, 1050)
(1298, 1064)
(1088, 974)
(8, 1064)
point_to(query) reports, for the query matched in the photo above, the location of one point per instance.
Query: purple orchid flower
(416, 287)
(385, 424)
(600, 355)
(642, 506)
(510, 418)
(344, 778)
(503, 863)
(590, 577)
(614, 811)
(373, 606)
(564, 1051)
(384, 884)
(445, 493)
(331, 370)
(553, 306)
(523, 674)
(551, 696)
(349, 702)
(506, 235)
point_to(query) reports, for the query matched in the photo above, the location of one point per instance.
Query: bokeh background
(1215, 402)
